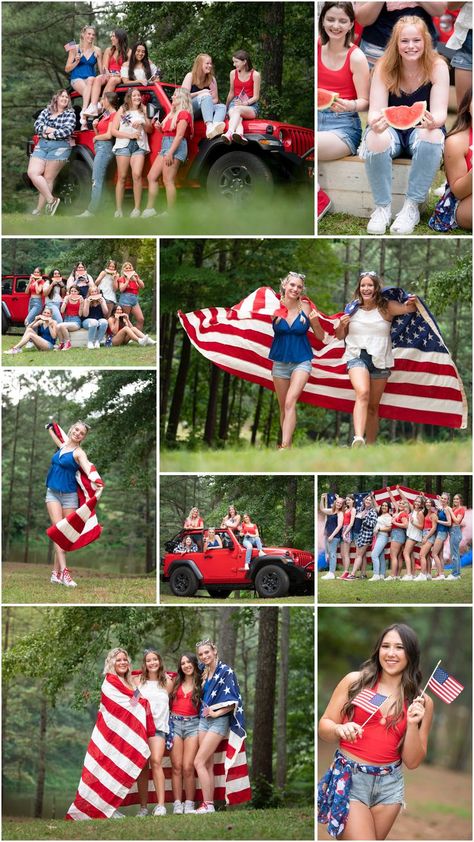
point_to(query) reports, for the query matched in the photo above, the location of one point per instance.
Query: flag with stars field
(424, 386)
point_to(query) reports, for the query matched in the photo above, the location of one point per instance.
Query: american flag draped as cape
(116, 754)
(81, 527)
(424, 386)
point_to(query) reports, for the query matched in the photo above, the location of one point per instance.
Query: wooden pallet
(346, 183)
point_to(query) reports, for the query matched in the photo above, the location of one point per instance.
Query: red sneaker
(344, 575)
(67, 579)
(324, 203)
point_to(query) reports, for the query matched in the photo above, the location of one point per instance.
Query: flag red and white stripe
(82, 526)
(424, 386)
(445, 686)
(369, 700)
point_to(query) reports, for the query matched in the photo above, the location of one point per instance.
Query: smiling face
(57, 274)
(418, 503)
(63, 101)
(136, 99)
(339, 503)
(384, 508)
(187, 667)
(392, 655)
(121, 664)
(336, 24)
(77, 433)
(368, 502)
(80, 269)
(113, 39)
(232, 511)
(293, 287)
(188, 542)
(239, 64)
(406, 506)
(457, 501)
(206, 64)
(127, 267)
(411, 43)
(152, 662)
(349, 502)
(89, 35)
(367, 289)
(140, 52)
(445, 499)
(206, 654)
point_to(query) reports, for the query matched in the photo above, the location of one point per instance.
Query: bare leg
(189, 779)
(331, 147)
(297, 382)
(360, 823)
(360, 380)
(57, 513)
(142, 785)
(176, 756)
(407, 555)
(204, 762)
(464, 213)
(169, 178)
(123, 163)
(137, 162)
(137, 314)
(384, 816)
(153, 177)
(36, 168)
(157, 746)
(394, 551)
(377, 388)
(437, 553)
(281, 389)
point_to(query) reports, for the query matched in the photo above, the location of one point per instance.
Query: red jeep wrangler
(276, 153)
(14, 301)
(278, 572)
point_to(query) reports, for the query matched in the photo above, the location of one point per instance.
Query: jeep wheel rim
(236, 182)
(270, 582)
(181, 583)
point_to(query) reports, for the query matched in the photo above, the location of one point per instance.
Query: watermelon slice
(326, 99)
(404, 116)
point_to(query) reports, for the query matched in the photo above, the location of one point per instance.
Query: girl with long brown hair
(130, 127)
(367, 766)
(185, 700)
(454, 209)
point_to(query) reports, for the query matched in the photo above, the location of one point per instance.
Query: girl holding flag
(380, 718)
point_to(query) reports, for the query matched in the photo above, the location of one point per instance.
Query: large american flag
(445, 686)
(81, 527)
(424, 386)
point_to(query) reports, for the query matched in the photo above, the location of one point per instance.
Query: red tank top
(459, 511)
(248, 528)
(182, 704)
(468, 156)
(347, 517)
(240, 86)
(72, 308)
(340, 81)
(36, 288)
(115, 63)
(428, 522)
(132, 286)
(378, 743)
(400, 519)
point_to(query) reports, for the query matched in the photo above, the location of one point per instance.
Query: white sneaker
(118, 214)
(96, 344)
(421, 577)
(379, 220)
(451, 578)
(160, 810)
(329, 575)
(407, 219)
(148, 212)
(178, 808)
(358, 441)
(136, 212)
(407, 578)
(143, 811)
(67, 579)
(375, 578)
(188, 807)
(29, 346)
(142, 341)
(428, 576)
(389, 578)
(56, 578)
(90, 346)
(117, 815)
(204, 808)
(439, 578)
(214, 130)
(149, 340)
(83, 215)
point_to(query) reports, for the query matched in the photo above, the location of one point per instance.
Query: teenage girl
(346, 537)
(71, 309)
(103, 150)
(402, 510)
(414, 535)
(454, 209)
(34, 289)
(53, 288)
(243, 96)
(156, 686)
(94, 318)
(202, 85)
(80, 278)
(364, 537)
(177, 128)
(185, 701)
(251, 538)
(212, 541)
(458, 513)
(43, 333)
(442, 532)
(342, 68)
(231, 519)
(332, 530)
(382, 531)
(82, 62)
(122, 331)
(113, 59)
(107, 282)
(367, 767)
(131, 128)
(139, 69)
(429, 536)
(194, 519)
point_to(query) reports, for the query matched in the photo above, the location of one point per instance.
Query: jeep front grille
(296, 139)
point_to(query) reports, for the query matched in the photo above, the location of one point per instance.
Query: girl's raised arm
(54, 437)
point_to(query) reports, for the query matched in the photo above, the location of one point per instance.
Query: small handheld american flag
(445, 686)
(369, 701)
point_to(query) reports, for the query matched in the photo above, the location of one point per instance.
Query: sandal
(358, 441)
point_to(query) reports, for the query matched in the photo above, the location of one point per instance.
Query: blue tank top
(62, 472)
(330, 525)
(290, 343)
(443, 529)
(45, 333)
(85, 68)
(95, 312)
(422, 94)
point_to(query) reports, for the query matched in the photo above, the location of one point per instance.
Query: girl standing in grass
(416, 522)
(442, 532)
(185, 702)
(332, 530)
(364, 537)
(346, 538)
(398, 536)
(458, 513)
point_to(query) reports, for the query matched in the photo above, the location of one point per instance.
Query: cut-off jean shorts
(237, 101)
(345, 124)
(378, 789)
(185, 726)
(181, 153)
(132, 148)
(52, 150)
(285, 370)
(221, 725)
(67, 499)
(74, 319)
(364, 360)
(161, 734)
(128, 299)
(462, 59)
(432, 537)
(398, 535)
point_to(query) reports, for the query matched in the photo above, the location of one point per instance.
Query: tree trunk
(272, 43)
(290, 510)
(210, 426)
(39, 796)
(224, 413)
(283, 698)
(264, 710)
(29, 502)
(167, 351)
(256, 420)
(228, 634)
(178, 392)
(8, 501)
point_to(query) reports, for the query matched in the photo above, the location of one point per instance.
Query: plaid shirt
(63, 124)
(367, 529)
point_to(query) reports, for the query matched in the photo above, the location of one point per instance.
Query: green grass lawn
(128, 356)
(293, 823)
(29, 583)
(419, 456)
(238, 596)
(360, 591)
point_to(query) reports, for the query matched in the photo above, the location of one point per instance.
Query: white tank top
(159, 704)
(370, 331)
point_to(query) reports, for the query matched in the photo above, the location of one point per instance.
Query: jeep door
(221, 565)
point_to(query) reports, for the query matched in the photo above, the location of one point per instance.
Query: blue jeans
(331, 551)
(96, 329)
(426, 158)
(35, 307)
(103, 155)
(249, 542)
(210, 111)
(455, 540)
(56, 312)
(378, 554)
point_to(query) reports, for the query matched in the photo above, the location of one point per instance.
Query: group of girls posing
(407, 70)
(368, 354)
(123, 130)
(425, 523)
(241, 525)
(361, 794)
(182, 708)
(58, 307)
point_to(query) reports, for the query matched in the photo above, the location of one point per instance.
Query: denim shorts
(52, 150)
(161, 734)
(285, 370)
(364, 360)
(432, 537)
(75, 319)
(221, 725)
(128, 299)
(462, 58)
(237, 101)
(398, 535)
(345, 125)
(132, 148)
(181, 153)
(68, 499)
(372, 52)
(441, 533)
(403, 142)
(378, 789)
(188, 726)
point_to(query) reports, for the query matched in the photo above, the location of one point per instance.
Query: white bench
(78, 337)
(346, 183)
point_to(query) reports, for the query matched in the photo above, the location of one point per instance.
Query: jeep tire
(217, 592)
(183, 582)
(272, 581)
(238, 176)
(5, 323)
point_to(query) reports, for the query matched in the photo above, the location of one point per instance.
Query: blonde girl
(82, 63)
(177, 127)
(201, 84)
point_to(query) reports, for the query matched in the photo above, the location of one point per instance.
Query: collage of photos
(236, 420)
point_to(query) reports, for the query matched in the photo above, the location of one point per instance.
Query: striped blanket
(81, 527)
(424, 386)
(116, 754)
